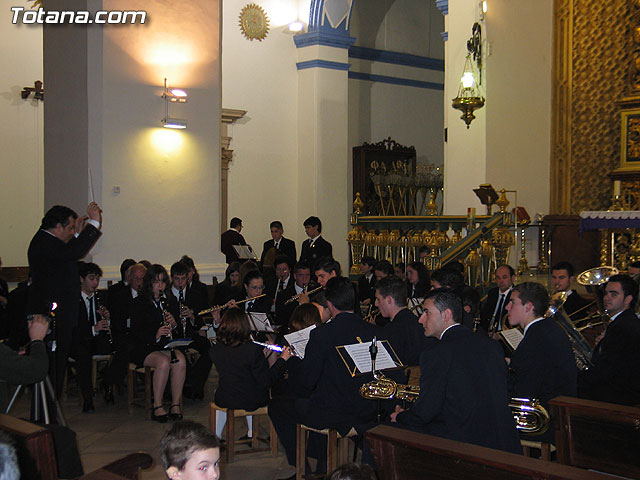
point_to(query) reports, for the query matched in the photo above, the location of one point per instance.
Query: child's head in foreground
(189, 451)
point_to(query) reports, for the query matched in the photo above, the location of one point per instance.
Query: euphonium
(530, 416)
(383, 388)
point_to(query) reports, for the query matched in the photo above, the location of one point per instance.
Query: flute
(296, 297)
(275, 348)
(220, 307)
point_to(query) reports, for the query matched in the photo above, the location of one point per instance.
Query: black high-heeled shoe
(175, 416)
(159, 418)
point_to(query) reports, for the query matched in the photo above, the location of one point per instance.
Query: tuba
(595, 278)
(530, 416)
(383, 388)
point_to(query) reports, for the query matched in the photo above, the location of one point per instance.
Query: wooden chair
(95, 359)
(545, 448)
(232, 414)
(337, 448)
(132, 400)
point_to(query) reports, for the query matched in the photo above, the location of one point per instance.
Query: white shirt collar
(299, 289)
(535, 321)
(506, 291)
(615, 316)
(314, 238)
(176, 292)
(445, 330)
(85, 297)
(134, 293)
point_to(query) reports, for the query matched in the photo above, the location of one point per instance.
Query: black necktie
(499, 312)
(92, 315)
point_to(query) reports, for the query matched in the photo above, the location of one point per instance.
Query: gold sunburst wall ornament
(37, 4)
(254, 22)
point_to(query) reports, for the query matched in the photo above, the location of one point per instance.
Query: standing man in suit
(562, 276)
(314, 247)
(493, 309)
(543, 365)
(335, 401)
(62, 240)
(230, 238)
(614, 376)
(461, 397)
(281, 245)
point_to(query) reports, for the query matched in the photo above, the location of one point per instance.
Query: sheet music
(245, 252)
(513, 336)
(359, 353)
(179, 342)
(298, 340)
(260, 322)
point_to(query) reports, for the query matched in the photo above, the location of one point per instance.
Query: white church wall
(261, 78)
(21, 138)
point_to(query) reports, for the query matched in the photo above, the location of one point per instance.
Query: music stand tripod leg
(13, 399)
(55, 403)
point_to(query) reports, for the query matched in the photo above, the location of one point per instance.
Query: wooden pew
(405, 455)
(597, 435)
(38, 442)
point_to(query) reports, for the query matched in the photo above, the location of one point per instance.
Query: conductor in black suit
(493, 309)
(543, 365)
(230, 238)
(281, 245)
(614, 377)
(314, 247)
(62, 240)
(463, 386)
(335, 402)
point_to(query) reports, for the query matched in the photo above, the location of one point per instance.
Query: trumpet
(296, 297)
(220, 307)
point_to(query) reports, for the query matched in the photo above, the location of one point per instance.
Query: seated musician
(543, 365)
(471, 307)
(418, 278)
(366, 281)
(92, 335)
(301, 283)
(153, 324)
(193, 279)
(493, 309)
(615, 377)
(230, 287)
(403, 330)
(335, 402)
(325, 269)
(446, 278)
(190, 303)
(122, 284)
(254, 287)
(562, 276)
(244, 374)
(463, 383)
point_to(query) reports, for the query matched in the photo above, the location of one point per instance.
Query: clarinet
(99, 306)
(183, 318)
(165, 312)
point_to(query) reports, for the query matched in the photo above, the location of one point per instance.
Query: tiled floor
(111, 433)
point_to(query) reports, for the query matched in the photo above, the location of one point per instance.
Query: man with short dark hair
(543, 365)
(53, 255)
(402, 330)
(279, 244)
(614, 377)
(493, 310)
(122, 284)
(367, 281)
(314, 247)
(230, 238)
(562, 276)
(463, 383)
(336, 401)
(446, 278)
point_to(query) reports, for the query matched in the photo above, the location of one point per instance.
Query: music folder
(357, 359)
(260, 322)
(179, 342)
(245, 252)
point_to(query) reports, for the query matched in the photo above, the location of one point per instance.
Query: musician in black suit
(543, 365)
(190, 303)
(562, 276)
(463, 386)
(314, 247)
(403, 331)
(301, 283)
(92, 335)
(122, 284)
(493, 309)
(336, 401)
(614, 377)
(279, 288)
(152, 326)
(193, 279)
(280, 245)
(230, 238)
(367, 281)
(53, 255)
(253, 287)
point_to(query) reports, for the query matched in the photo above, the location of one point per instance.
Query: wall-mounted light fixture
(469, 99)
(296, 26)
(174, 95)
(38, 91)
